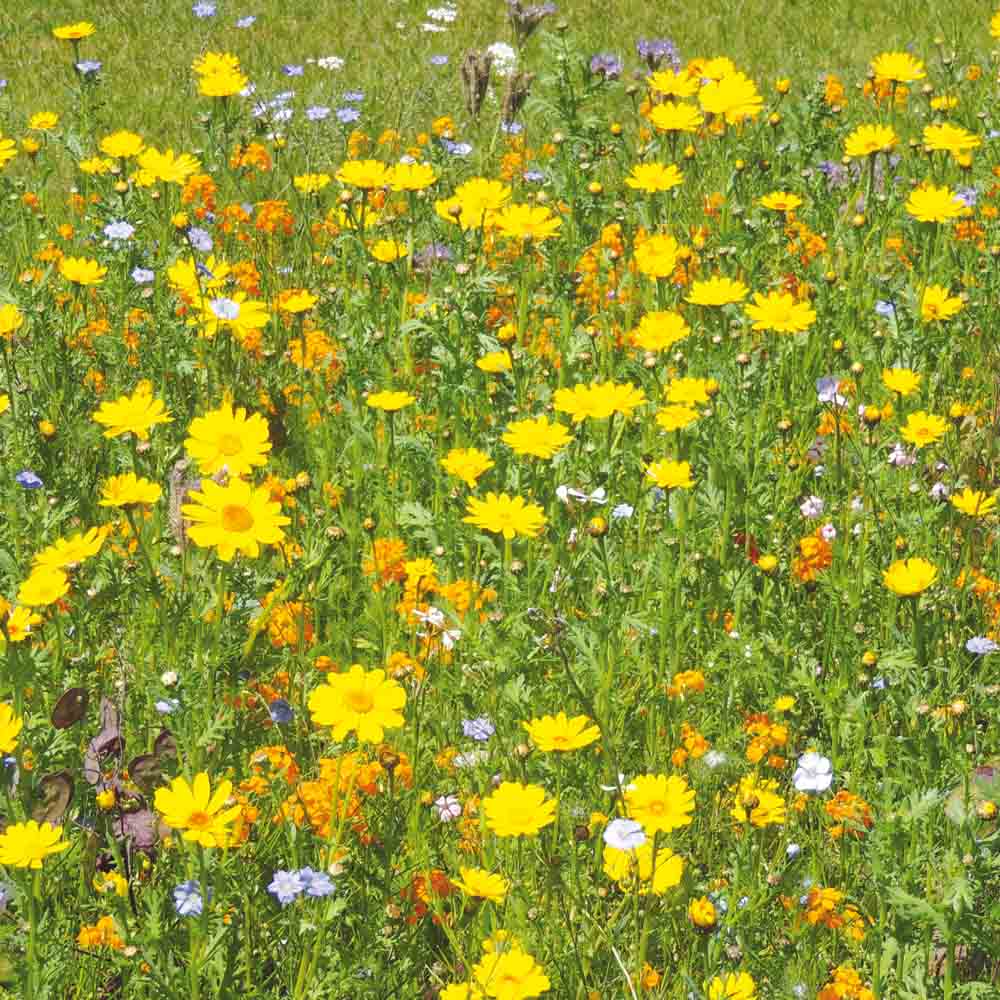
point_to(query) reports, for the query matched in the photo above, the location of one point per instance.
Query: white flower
(567, 493)
(169, 678)
(814, 773)
(812, 506)
(504, 58)
(448, 807)
(330, 62)
(829, 532)
(621, 784)
(624, 835)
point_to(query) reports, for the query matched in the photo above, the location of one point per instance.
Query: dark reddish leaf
(140, 828)
(57, 792)
(109, 740)
(145, 772)
(70, 708)
(165, 745)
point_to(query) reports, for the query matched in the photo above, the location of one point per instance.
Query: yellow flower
(537, 437)
(660, 803)
(937, 304)
(74, 32)
(364, 174)
(702, 913)
(527, 222)
(975, 503)
(950, 138)
(234, 518)
(82, 271)
(928, 203)
(510, 975)
(228, 439)
(136, 414)
(654, 177)
(716, 291)
(193, 808)
(633, 870)
(482, 884)
(598, 400)
(909, 577)
(388, 251)
(122, 145)
(43, 587)
(495, 362)
(756, 802)
(656, 256)
(214, 62)
(96, 166)
(659, 331)
(781, 201)
(516, 810)
(311, 183)
(364, 702)
(67, 552)
(781, 312)
(411, 176)
(676, 416)
(866, 140)
(995, 25)
(901, 380)
(668, 83)
(237, 313)
(670, 475)
(898, 67)
(467, 464)
(735, 986)
(735, 97)
(671, 117)
(10, 727)
(27, 845)
(20, 622)
(558, 733)
(11, 320)
(505, 515)
(923, 428)
(475, 203)
(167, 166)
(389, 400)
(690, 391)
(225, 82)
(43, 121)
(295, 300)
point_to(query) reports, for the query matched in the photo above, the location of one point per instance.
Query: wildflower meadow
(531, 532)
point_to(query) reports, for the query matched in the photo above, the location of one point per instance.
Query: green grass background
(147, 46)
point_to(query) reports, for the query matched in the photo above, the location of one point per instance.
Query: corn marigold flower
(223, 82)
(928, 203)
(901, 380)
(676, 117)
(653, 178)
(670, 475)
(364, 174)
(660, 803)
(64, 553)
(136, 414)
(411, 176)
(702, 913)
(733, 986)
(756, 802)
(910, 577)
(691, 391)
(19, 624)
(676, 416)
(937, 303)
(922, 428)
(633, 869)
(234, 518)
(716, 291)
(11, 320)
(867, 140)
(311, 183)
(27, 845)
(898, 67)
(527, 222)
(949, 138)
(781, 201)
(74, 32)
(388, 251)
(389, 401)
(122, 145)
(467, 464)
(975, 503)
(673, 83)
(657, 256)
(505, 515)
(82, 271)
(495, 362)
(559, 733)
(516, 810)
(482, 884)
(734, 97)
(780, 312)
(475, 203)
(10, 726)
(225, 438)
(128, 489)
(598, 400)
(510, 974)
(659, 331)
(538, 437)
(366, 703)
(43, 587)
(167, 166)
(195, 809)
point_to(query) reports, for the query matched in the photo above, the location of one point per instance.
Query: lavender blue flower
(285, 886)
(347, 115)
(28, 480)
(316, 884)
(479, 729)
(187, 899)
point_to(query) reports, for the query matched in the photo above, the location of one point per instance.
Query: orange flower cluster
(387, 563)
(850, 814)
(200, 191)
(603, 270)
(815, 555)
(422, 891)
(694, 745)
(103, 934)
(685, 683)
(766, 737)
(273, 218)
(988, 592)
(845, 984)
(253, 156)
(290, 624)
(825, 906)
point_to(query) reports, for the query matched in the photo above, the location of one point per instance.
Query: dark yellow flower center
(236, 517)
(229, 444)
(199, 820)
(359, 700)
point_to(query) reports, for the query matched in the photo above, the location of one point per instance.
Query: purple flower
(119, 231)
(606, 65)
(199, 239)
(968, 196)
(812, 506)
(246, 22)
(900, 458)
(347, 115)
(317, 113)
(87, 66)
(316, 884)
(657, 51)
(979, 645)
(885, 308)
(187, 899)
(285, 886)
(511, 128)
(142, 276)
(533, 176)
(354, 96)
(826, 391)
(203, 9)
(448, 808)
(292, 70)
(28, 480)
(439, 60)
(460, 149)
(430, 256)
(479, 729)
(835, 174)
(280, 711)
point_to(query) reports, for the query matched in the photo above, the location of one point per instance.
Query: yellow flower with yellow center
(660, 803)
(653, 178)
(234, 518)
(20, 622)
(481, 884)
(898, 67)
(168, 167)
(388, 251)
(975, 503)
(910, 577)
(867, 140)
(311, 183)
(359, 701)
(633, 869)
(691, 391)
(558, 733)
(43, 121)
(467, 464)
(195, 809)
(929, 203)
(136, 414)
(901, 380)
(67, 552)
(411, 176)
(505, 515)
(43, 587)
(364, 174)
(949, 138)
(527, 222)
(10, 727)
(702, 913)
(733, 986)
(389, 401)
(922, 428)
(598, 400)
(735, 97)
(495, 362)
(657, 256)
(82, 271)
(74, 32)
(670, 83)
(780, 312)
(27, 845)
(228, 439)
(122, 145)
(659, 331)
(676, 117)
(516, 810)
(757, 802)
(781, 201)
(670, 475)
(538, 437)
(676, 416)
(11, 320)
(717, 291)
(937, 304)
